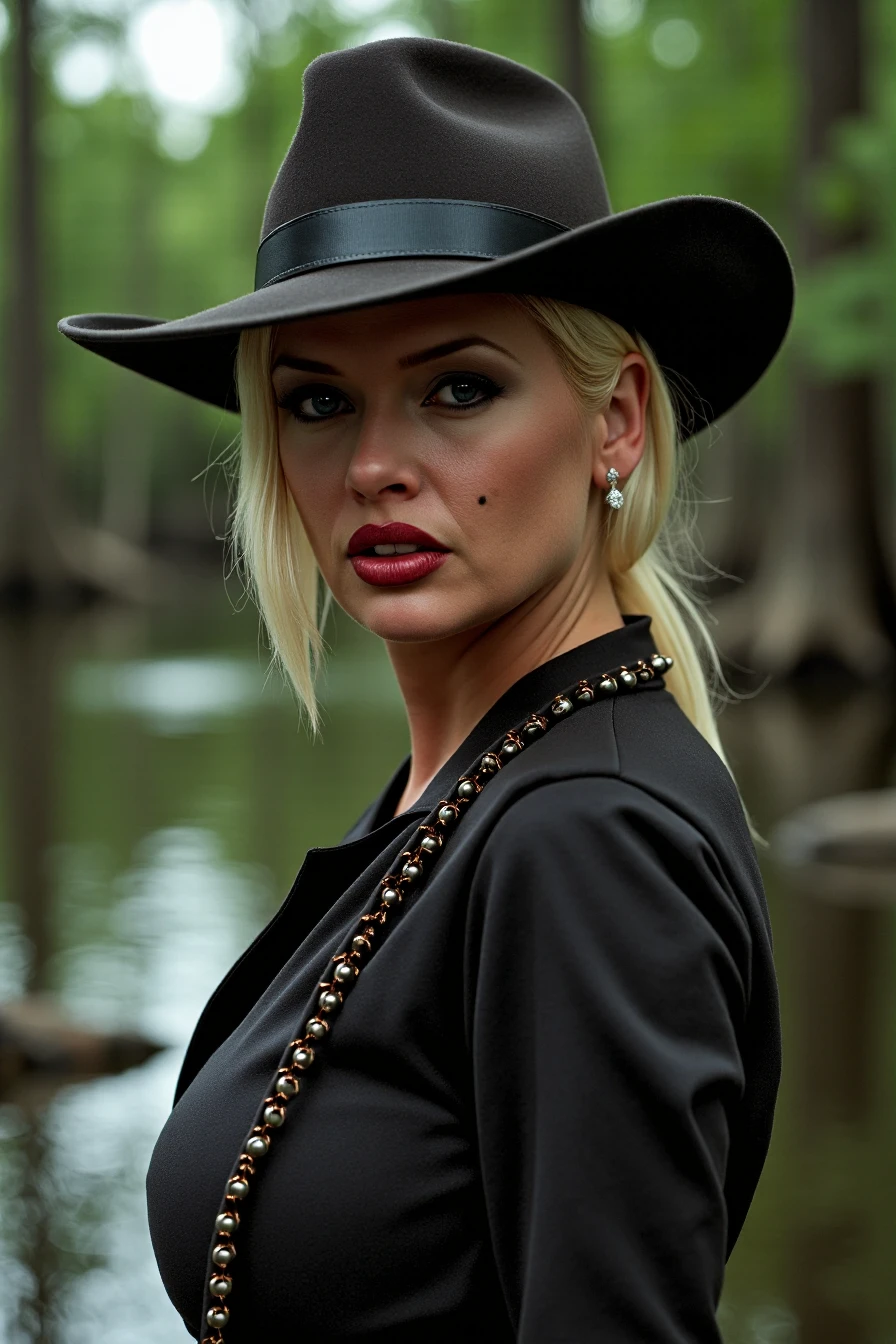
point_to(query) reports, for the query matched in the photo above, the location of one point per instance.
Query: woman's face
(451, 415)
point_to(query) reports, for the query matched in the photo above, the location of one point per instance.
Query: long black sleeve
(607, 978)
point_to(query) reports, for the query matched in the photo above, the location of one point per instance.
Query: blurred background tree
(822, 596)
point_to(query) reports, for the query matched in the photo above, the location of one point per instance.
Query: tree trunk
(46, 556)
(822, 598)
(30, 560)
(125, 508)
(30, 647)
(575, 75)
(730, 471)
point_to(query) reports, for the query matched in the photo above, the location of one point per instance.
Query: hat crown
(416, 117)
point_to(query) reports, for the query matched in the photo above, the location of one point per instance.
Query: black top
(544, 1107)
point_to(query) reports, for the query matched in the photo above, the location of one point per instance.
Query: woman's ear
(621, 440)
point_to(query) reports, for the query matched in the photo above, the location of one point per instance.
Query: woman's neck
(448, 685)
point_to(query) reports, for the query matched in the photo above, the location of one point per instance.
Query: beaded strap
(409, 874)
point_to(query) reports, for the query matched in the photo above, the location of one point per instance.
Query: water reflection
(141, 949)
(159, 799)
(819, 1236)
(171, 695)
(76, 1203)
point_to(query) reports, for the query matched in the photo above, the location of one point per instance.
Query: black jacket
(545, 1106)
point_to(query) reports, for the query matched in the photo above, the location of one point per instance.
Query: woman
(504, 1063)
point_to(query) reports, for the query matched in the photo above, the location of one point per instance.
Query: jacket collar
(626, 644)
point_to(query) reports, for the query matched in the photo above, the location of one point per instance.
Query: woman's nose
(383, 458)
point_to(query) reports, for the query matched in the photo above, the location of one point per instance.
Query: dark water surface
(158, 800)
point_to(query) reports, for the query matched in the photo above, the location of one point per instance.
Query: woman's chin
(409, 629)
(414, 619)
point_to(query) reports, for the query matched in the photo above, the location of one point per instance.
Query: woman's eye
(313, 403)
(458, 391)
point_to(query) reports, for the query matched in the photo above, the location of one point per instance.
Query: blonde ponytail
(648, 545)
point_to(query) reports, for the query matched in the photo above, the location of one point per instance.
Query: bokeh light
(612, 18)
(85, 71)
(675, 43)
(186, 49)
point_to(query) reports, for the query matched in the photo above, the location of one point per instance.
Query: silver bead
(466, 790)
(447, 815)
(628, 678)
(287, 1086)
(509, 747)
(533, 729)
(329, 1001)
(220, 1285)
(345, 972)
(562, 705)
(223, 1255)
(303, 1058)
(227, 1223)
(360, 943)
(412, 871)
(258, 1145)
(584, 695)
(429, 843)
(273, 1116)
(317, 1028)
(608, 685)
(669, 661)
(218, 1317)
(658, 663)
(489, 763)
(238, 1187)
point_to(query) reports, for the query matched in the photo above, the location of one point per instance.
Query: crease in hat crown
(415, 117)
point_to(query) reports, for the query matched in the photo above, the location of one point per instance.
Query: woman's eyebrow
(406, 361)
(449, 348)
(305, 365)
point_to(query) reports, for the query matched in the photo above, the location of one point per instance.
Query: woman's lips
(381, 570)
(410, 553)
(402, 534)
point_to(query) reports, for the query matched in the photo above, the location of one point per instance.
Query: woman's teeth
(395, 548)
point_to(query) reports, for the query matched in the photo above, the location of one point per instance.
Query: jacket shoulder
(645, 741)
(632, 794)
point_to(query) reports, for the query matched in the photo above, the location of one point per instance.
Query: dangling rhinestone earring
(614, 497)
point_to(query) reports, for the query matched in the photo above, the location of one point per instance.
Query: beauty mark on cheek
(482, 499)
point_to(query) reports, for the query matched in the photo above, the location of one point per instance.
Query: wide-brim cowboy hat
(423, 167)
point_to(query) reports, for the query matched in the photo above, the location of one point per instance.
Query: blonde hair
(648, 546)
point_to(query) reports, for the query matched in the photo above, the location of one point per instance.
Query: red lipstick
(394, 568)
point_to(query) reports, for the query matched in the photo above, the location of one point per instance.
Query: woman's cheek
(311, 505)
(551, 492)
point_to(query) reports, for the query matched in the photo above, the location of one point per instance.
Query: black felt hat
(426, 167)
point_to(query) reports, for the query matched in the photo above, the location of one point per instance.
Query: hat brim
(706, 281)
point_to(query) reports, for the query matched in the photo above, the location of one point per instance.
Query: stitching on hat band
(415, 227)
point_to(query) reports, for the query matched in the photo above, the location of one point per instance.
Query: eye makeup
(313, 403)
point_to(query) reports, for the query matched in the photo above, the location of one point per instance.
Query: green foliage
(841, 319)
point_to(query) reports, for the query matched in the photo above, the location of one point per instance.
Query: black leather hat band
(400, 228)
